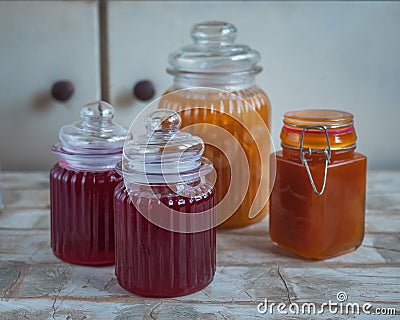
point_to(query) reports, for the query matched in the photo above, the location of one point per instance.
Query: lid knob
(212, 32)
(97, 113)
(162, 120)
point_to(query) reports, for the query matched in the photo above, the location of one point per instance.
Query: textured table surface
(34, 284)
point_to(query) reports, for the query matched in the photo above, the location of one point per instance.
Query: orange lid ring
(340, 129)
(327, 130)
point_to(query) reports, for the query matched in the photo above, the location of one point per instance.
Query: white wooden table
(36, 285)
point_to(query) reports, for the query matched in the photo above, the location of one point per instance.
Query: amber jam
(82, 186)
(236, 105)
(206, 107)
(155, 262)
(317, 205)
(164, 212)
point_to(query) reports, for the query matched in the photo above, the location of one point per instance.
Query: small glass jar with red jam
(317, 205)
(164, 212)
(82, 186)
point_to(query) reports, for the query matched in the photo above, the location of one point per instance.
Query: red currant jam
(82, 216)
(154, 262)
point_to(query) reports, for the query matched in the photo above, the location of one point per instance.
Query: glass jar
(317, 205)
(238, 106)
(164, 212)
(82, 186)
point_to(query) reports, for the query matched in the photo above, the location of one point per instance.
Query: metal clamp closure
(327, 158)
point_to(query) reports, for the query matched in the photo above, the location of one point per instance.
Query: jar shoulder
(58, 172)
(158, 192)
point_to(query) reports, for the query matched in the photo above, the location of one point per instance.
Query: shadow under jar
(82, 186)
(317, 205)
(219, 88)
(164, 212)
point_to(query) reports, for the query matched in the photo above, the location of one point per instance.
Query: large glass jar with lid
(236, 105)
(82, 186)
(164, 212)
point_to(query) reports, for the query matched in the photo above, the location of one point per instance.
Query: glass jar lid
(95, 133)
(312, 128)
(319, 117)
(94, 143)
(163, 153)
(214, 51)
(318, 131)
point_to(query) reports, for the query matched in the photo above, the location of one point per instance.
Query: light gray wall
(342, 55)
(315, 54)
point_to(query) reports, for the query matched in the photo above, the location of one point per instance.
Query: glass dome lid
(95, 133)
(163, 153)
(214, 51)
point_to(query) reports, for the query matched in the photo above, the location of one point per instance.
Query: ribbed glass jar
(155, 262)
(164, 212)
(237, 105)
(82, 187)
